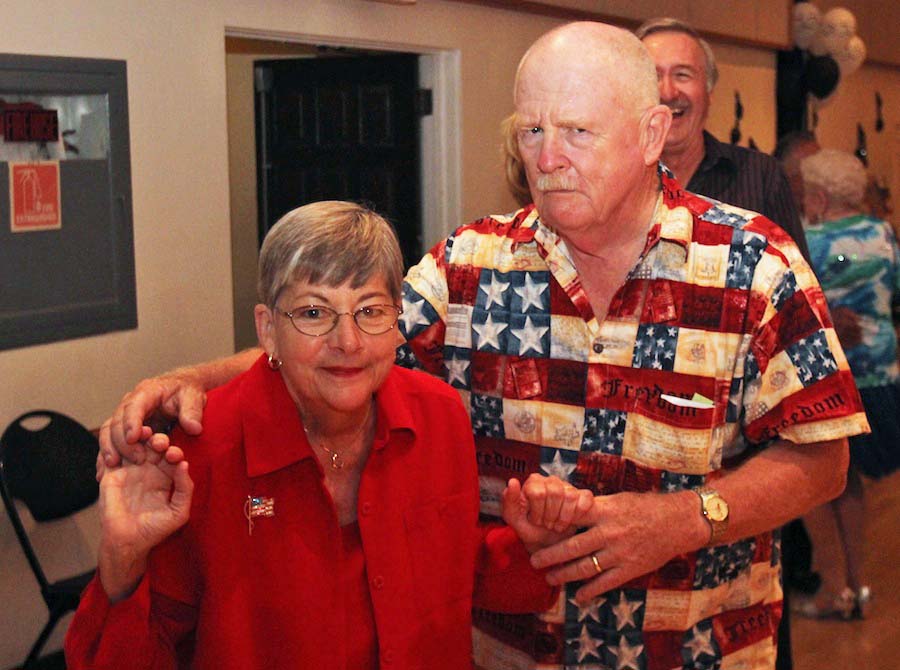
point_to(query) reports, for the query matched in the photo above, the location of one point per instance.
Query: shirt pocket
(442, 538)
(670, 432)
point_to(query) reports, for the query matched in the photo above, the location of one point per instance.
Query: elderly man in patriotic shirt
(671, 354)
(579, 330)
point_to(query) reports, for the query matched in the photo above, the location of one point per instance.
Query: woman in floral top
(856, 259)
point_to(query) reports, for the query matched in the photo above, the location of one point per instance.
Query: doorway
(341, 126)
(440, 203)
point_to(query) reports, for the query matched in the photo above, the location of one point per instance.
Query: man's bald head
(600, 55)
(590, 130)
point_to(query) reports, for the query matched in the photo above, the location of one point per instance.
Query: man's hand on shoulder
(152, 406)
(156, 403)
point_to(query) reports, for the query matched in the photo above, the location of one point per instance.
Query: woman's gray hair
(667, 24)
(839, 174)
(329, 242)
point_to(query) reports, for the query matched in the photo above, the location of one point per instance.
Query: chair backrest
(52, 469)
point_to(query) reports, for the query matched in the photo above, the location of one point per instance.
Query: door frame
(439, 147)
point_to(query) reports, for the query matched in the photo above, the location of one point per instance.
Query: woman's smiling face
(338, 371)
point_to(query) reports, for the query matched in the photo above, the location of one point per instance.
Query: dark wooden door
(341, 128)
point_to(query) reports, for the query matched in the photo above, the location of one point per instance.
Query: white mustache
(556, 182)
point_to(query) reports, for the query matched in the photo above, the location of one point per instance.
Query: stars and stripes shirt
(720, 303)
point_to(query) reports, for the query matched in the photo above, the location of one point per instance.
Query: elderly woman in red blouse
(330, 517)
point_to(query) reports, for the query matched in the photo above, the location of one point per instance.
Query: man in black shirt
(687, 74)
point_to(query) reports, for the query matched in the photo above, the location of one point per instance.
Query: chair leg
(34, 654)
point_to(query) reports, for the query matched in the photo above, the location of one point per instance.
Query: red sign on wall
(30, 125)
(34, 201)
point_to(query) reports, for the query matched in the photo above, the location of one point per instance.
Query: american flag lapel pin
(257, 506)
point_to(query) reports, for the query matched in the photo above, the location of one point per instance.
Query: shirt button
(598, 347)
(378, 582)
(388, 656)
(367, 508)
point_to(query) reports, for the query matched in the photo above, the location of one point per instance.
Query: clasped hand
(623, 535)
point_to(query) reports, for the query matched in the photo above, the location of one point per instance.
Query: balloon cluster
(835, 50)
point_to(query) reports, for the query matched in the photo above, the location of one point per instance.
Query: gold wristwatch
(715, 511)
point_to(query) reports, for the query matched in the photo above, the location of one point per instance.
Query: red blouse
(216, 596)
(359, 614)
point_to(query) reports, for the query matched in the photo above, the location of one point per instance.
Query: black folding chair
(50, 470)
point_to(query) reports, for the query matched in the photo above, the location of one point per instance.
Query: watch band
(715, 510)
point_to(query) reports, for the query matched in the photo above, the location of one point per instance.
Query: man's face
(579, 143)
(681, 68)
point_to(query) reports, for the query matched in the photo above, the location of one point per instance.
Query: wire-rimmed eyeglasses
(318, 320)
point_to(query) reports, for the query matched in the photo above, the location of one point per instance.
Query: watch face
(716, 508)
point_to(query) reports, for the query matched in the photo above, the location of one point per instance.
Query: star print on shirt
(530, 337)
(699, 642)
(591, 610)
(531, 294)
(654, 347)
(624, 611)
(785, 289)
(746, 251)
(587, 645)
(716, 565)
(677, 481)
(413, 315)
(494, 290)
(604, 430)
(489, 333)
(456, 371)
(627, 655)
(487, 415)
(812, 358)
(717, 214)
(558, 467)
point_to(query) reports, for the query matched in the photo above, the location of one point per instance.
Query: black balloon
(822, 75)
(790, 91)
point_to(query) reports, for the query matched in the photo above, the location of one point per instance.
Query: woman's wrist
(120, 571)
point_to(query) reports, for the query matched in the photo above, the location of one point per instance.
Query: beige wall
(180, 177)
(854, 102)
(752, 73)
(759, 21)
(242, 177)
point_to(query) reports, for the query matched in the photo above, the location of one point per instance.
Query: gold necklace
(337, 461)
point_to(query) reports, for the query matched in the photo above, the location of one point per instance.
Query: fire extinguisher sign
(34, 196)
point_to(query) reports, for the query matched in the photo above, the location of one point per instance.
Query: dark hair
(788, 141)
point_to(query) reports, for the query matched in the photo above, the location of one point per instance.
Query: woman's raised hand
(140, 506)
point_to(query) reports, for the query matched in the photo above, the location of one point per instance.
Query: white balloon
(817, 45)
(805, 23)
(838, 26)
(851, 56)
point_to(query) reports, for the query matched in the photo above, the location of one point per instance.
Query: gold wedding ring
(596, 563)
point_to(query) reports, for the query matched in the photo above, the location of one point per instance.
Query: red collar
(270, 423)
